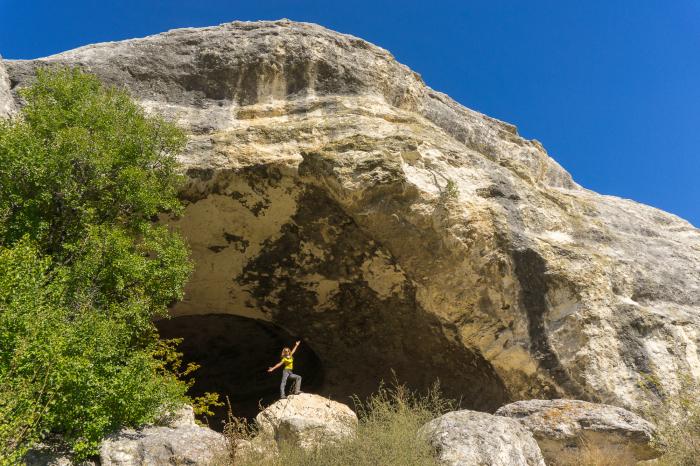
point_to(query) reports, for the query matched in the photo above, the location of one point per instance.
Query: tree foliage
(84, 269)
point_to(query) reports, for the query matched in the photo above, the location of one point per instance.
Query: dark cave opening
(234, 354)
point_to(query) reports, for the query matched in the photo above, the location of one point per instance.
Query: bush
(387, 433)
(84, 270)
(449, 193)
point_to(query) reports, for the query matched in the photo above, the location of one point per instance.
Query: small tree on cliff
(83, 267)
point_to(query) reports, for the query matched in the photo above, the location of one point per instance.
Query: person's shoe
(283, 398)
(298, 393)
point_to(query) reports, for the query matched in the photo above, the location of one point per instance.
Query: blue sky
(611, 88)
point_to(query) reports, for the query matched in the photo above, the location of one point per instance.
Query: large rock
(51, 455)
(307, 421)
(182, 417)
(464, 438)
(181, 443)
(562, 427)
(318, 200)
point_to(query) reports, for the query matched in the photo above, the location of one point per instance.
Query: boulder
(307, 420)
(180, 443)
(183, 417)
(565, 426)
(39, 456)
(462, 438)
(51, 455)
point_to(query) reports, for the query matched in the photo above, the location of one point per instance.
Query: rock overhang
(276, 248)
(301, 138)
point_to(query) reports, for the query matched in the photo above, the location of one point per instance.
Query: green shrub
(83, 268)
(449, 193)
(81, 155)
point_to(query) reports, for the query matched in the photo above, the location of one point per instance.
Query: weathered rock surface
(183, 417)
(182, 442)
(49, 455)
(561, 426)
(317, 200)
(463, 438)
(307, 421)
(7, 103)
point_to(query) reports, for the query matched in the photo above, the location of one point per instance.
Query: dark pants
(291, 375)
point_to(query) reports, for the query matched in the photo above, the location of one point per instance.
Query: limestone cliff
(334, 194)
(7, 104)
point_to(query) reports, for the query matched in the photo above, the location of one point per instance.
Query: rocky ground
(526, 433)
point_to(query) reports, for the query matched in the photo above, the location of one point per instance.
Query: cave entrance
(271, 246)
(234, 354)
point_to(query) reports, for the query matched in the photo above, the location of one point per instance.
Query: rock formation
(52, 455)
(306, 421)
(462, 438)
(181, 442)
(334, 195)
(561, 427)
(7, 104)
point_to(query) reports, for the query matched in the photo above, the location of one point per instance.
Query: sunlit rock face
(333, 194)
(7, 104)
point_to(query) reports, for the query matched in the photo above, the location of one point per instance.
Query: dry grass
(386, 435)
(677, 419)
(390, 419)
(237, 432)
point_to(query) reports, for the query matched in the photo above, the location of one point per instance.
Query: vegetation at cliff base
(84, 269)
(676, 416)
(387, 434)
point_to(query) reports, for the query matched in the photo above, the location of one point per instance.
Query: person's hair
(286, 350)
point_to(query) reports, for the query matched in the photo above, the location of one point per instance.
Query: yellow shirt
(288, 363)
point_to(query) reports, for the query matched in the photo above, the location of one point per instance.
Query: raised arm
(270, 369)
(296, 345)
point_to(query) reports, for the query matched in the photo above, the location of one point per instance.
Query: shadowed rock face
(318, 201)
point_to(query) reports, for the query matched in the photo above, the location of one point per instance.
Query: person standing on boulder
(288, 362)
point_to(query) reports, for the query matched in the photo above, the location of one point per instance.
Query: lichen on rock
(565, 427)
(470, 437)
(306, 421)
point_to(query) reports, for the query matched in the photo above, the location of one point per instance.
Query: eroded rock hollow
(334, 197)
(277, 248)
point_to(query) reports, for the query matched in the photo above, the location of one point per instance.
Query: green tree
(84, 268)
